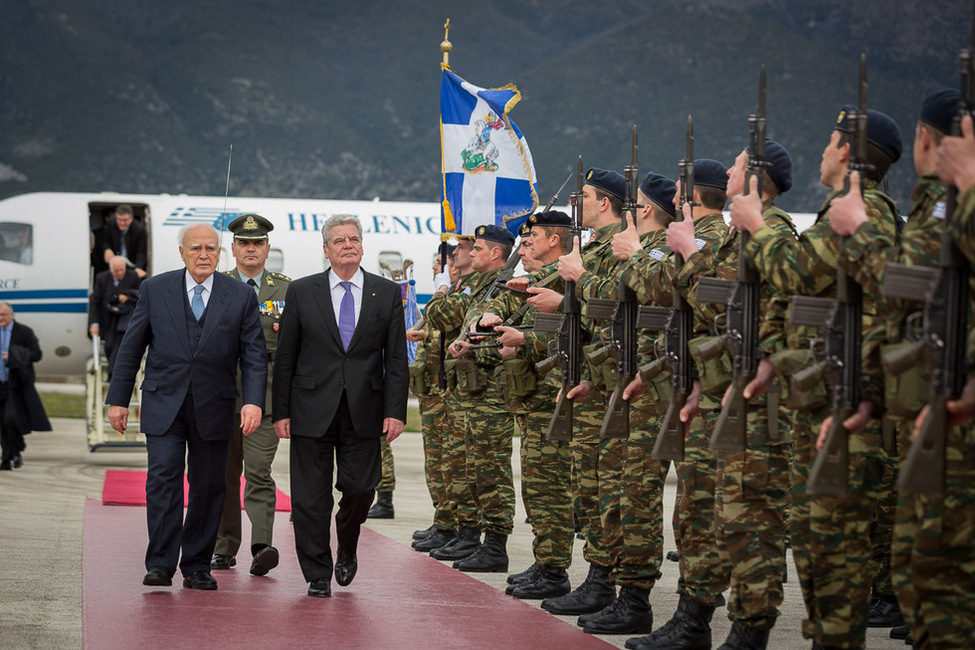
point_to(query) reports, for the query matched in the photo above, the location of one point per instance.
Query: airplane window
(17, 242)
(275, 261)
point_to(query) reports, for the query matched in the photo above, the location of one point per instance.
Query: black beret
(450, 249)
(711, 173)
(660, 190)
(550, 218)
(779, 165)
(495, 234)
(882, 132)
(524, 229)
(609, 181)
(250, 226)
(940, 108)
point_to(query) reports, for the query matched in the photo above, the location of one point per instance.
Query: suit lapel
(368, 307)
(323, 298)
(216, 306)
(174, 305)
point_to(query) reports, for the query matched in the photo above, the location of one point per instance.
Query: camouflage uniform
(752, 495)
(865, 256)
(489, 426)
(546, 465)
(445, 313)
(387, 481)
(830, 536)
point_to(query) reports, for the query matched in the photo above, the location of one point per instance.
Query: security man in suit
(255, 453)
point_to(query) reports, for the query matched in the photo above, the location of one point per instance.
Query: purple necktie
(347, 315)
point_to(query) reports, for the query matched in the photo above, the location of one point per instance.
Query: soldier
(830, 536)
(489, 427)
(602, 204)
(253, 453)
(383, 507)
(546, 465)
(704, 574)
(445, 432)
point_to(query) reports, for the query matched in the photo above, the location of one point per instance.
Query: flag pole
(445, 46)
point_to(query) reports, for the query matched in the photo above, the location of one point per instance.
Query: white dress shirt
(338, 291)
(191, 285)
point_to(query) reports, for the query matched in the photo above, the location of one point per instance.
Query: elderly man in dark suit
(110, 305)
(21, 410)
(199, 326)
(340, 382)
(125, 236)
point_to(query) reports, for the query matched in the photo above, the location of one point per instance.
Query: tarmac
(41, 518)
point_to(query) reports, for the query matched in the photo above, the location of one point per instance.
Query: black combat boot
(467, 541)
(527, 575)
(550, 583)
(592, 595)
(745, 638)
(691, 631)
(630, 614)
(885, 612)
(638, 641)
(438, 539)
(426, 532)
(491, 557)
(383, 507)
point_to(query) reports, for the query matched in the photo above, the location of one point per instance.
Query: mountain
(340, 100)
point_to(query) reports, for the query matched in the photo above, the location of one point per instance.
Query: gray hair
(7, 304)
(188, 227)
(339, 220)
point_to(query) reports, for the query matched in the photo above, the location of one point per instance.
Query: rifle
(944, 291)
(622, 315)
(842, 318)
(742, 310)
(569, 329)
(678, 331)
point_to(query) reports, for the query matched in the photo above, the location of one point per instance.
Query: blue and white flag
(412, 315)
(488, 173)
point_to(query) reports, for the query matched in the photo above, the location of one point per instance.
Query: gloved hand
(441, 280)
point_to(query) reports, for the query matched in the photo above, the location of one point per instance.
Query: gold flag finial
(445, 47)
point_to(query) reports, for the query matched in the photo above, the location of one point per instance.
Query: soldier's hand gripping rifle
(679, 329)
(843, 320)
(945, 294)
(569, 328)
(622, 316)
(742, 300)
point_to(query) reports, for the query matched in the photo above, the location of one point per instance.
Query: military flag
(488, 173)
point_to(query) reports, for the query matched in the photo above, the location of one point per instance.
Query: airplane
(46, 265)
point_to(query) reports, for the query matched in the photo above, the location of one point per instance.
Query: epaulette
(279, 276)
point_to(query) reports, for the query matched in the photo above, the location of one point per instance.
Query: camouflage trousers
(641, 502)
(490, 429)
(703, 573)
(458, 474)
(934, 575)
(750, 511)
(882, 529)
(434, 425)
(546, 477)
(831, 535)
(387, 481)
(585, 482)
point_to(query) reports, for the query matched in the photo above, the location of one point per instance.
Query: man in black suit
(110, 305)
(125, 236)
(21, 410)
(198, 326)
(340, 382)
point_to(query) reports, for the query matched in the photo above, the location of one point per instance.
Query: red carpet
(128, 488)
(400, 599)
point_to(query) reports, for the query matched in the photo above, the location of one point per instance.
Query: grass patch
(63, 405)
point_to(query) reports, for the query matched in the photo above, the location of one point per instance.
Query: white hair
(339, 220)
(188, 227)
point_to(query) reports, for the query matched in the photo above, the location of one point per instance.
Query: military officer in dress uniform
(254, 453)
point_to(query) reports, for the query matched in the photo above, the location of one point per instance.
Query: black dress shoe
(320, 588)
(158, 576)
(200, 580)
(223, 562)
(18, 461)
(5, 465)
(345, 567)
(266, 559)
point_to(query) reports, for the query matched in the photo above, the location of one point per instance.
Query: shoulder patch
(700, 243)
(657, 254)
(466, 291)
(939, 210)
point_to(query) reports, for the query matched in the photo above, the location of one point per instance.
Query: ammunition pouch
(471, 379)
(450, 374)
(906, 393)
(658, 382)
(810, 393)
(713, 363)
(520, 380)
(418, 379)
